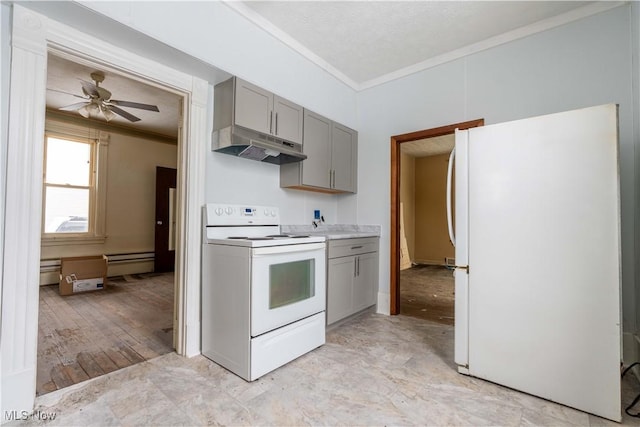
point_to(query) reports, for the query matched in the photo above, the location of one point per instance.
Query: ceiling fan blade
(104, 94)
(90, 89)
(130, 104)
(124, 114)
(66, 93)
(74, 107)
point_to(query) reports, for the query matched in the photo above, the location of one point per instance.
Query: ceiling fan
(98, 100)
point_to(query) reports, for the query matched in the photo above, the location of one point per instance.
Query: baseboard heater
(51, 265)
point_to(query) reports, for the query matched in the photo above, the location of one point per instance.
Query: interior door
(543, 241)
(165, 228)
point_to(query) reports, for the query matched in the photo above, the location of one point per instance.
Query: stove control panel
(223, 214)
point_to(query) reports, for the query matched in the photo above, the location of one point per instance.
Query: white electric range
(263, 293)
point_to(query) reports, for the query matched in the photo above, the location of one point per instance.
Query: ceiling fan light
(108, 114)
(93, 108)
(84, 112)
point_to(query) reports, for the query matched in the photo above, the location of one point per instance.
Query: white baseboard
(193, 345)
(18, 390)
(383, 306)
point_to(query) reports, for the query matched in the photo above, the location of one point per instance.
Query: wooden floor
(86, 335)
(427, 292)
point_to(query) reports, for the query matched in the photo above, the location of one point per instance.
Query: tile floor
(374, 370)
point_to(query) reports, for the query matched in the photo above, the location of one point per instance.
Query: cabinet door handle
(355, 267)
(271, 122)
(358, 264)
(276, 132)
(356, 247)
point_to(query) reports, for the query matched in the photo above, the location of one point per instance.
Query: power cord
(626, 410)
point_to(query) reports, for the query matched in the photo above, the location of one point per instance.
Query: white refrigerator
(537, 243)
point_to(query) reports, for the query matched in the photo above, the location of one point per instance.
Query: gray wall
(581, 64)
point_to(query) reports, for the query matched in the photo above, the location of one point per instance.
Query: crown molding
(285, 38)
(536, 27)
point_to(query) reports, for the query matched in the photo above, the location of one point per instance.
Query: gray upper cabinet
(287, 119)
(263, 111)
(331, 164)
(344, 146)
(253, 107)
(317, 146)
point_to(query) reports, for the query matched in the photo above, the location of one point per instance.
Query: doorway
(396, 171)
(131, 318)
(38, 35)
(426, 280)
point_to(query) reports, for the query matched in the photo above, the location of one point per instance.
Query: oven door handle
(287, 249)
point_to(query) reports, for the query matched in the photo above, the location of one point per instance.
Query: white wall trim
(635, 83)
(384, 304)
(192, 157)
(23, 204)
(33, 36)
(285, 38)
(537, 27)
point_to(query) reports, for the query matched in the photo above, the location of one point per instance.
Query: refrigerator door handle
(449, 210)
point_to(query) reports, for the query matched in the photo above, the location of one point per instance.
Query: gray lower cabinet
(332, 155)
(352, 276)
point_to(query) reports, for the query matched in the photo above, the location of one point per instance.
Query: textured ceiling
(364, 41)
(429, 146)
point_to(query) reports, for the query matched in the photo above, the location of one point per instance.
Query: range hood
(242, 142)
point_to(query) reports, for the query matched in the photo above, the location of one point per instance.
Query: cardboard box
(82, 274)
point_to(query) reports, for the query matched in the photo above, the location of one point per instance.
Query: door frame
(33, 37)
(396, 142)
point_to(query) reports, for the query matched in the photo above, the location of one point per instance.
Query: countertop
(334, 231)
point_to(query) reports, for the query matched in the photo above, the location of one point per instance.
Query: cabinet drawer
(346, 247)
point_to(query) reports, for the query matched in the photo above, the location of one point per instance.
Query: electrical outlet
(316, 214)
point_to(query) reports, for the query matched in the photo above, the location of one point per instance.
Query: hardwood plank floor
(90, 334)
(427, 292)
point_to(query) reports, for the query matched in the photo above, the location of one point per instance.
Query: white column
(21, 245)
(193, 161)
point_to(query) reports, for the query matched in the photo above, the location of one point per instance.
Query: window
(69, 189)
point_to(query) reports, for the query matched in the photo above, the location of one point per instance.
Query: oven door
(288, 283)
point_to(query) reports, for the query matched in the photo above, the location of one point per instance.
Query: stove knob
(266, 212)
(229, 210)
(273, 212)
(219, 211)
